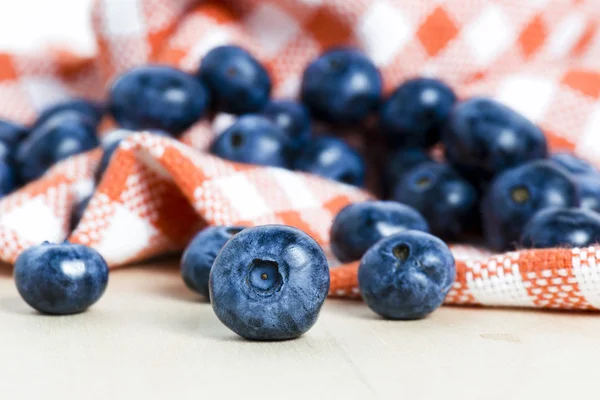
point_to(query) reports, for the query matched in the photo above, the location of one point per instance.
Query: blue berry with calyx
(254, 139)
(414, 114)
(293, 118)
(60, 278)
(573, 164)
(269, 283)
(60, 137)
(238, 82)
(342, 86)
(406, 276)
(86, 108)
(334, 159)
(518, 193)
(200, 254)
(157, 97)
(448, 202)
(562, 227)
(401, 161)
(359, 226)
(486, 136)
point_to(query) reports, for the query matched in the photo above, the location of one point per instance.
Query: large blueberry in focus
(239, 84)
(332, 158)
(573, 164)
(415, 112)
(485, 135)
(253, 139)
(269, 283)
(293, 118)
(402, 161)
(447, 201)
(562, 227)
(198, 257)
(60, 278)
(342, 86)
(60, 137)
(518, 193)
(406, 275)
(359, 226)
(88, 109)
(157, 97)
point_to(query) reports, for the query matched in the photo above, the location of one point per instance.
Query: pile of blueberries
(494, 180)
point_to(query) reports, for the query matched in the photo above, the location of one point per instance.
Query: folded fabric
(541, 58)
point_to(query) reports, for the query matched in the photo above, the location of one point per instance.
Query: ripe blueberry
(88, 109)
(573, 164)
(562, 227)
(292, 118)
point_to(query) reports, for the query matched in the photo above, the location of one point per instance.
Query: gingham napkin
(541, 57)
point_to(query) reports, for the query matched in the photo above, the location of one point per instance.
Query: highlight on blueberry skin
(61, 278)
(334, 159)
(342, 86)
(359, 226)
(157, 97)
(239, 84)
(518, 193)
(269, 283)
(406, 276)
(198, 257)
(86, 108)
(293, 118)
(562, 227)
(253, 139)
(413, 115)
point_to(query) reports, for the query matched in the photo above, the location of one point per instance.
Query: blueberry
(415, 112)
(562, 227)
(200, 254)
(269, 283)
(518, 193)
(253, 139)
(157, 97)
(10, 136)
(238, 82)
(78, 211)
(60, 137)
(341, 86)
(332, 158)
(292, 118)
(573, 164)
(88, 109)
(406, 275)
(589, 190)
(446, 200)
(359, 226)
(490, 137)
(402, 161)
(60, 278)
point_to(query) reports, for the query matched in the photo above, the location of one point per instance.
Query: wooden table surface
(150, 338)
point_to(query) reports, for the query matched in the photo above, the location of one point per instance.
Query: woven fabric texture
(541, 57)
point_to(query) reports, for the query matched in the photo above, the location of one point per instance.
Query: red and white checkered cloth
(541, 57)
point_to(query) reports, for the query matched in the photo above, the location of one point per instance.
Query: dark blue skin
(518, 193)
(402, 161)
(78, 211)
(573, 164)
(447, 201)
(158, 97)
(407, 275)
(332, 158)
(589, 190)
(269, 283)
(8, 178)
(91, 110)
(488, 137)
(61, 278)
(562, 227)
(253, 139)
(10, 136)
(58, 138)
(239, 84)
(342, 86)
(359, 226)
(414, 114)
(293, 118)
(200, 254)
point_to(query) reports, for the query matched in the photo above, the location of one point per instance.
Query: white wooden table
(150, 338)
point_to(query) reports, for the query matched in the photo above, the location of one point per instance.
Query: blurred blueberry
(573, 164)
(588, 185)
(10, 136)
(239, 84)
(401, 161)
(88, 109)
(562, 227)
(157, 97)
(342, 86)
(293, 118)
